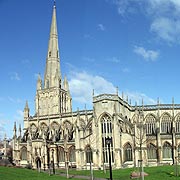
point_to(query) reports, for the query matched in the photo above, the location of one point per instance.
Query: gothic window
(166, 124)
(35, 151)
(68, 130)
(89, 127)
(89, 154)
(178, 124)
(151, 151)
(150, 125)
(82, 124)
(127, 152)
(24, 153)
(44, 127)
(72, 155)
(106, 130)
(61, 154)
(57, 54)
(167, 150)
(55, 127)
(33, 130)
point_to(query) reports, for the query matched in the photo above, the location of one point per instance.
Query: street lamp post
(53, 161)
(108, 142)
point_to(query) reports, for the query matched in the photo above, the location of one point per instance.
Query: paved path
(81, 177)
(75, 176)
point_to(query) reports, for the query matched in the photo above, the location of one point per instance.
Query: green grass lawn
(9, 173)
(155, 173)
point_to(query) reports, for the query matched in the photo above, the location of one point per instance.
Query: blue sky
(132, 44)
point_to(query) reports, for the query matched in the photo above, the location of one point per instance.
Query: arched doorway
(38, 163)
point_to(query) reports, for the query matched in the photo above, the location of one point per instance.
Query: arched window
(106, 130)
(150, 125)
(151, 151)
(72, 155)
(61, 154)
(24, 153)
(44, 127)
(166, 124)
(89, 154)
(128, 152)
(178, 124)
(55, 126)
(167, 150)
(33, 130)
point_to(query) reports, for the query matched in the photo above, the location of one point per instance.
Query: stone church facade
(57, 134)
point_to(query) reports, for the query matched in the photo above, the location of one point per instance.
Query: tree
(140, 138)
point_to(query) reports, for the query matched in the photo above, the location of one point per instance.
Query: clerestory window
(106, 130)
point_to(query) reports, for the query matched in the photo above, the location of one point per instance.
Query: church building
(79, 139)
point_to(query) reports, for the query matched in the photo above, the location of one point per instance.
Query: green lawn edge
(155, 173)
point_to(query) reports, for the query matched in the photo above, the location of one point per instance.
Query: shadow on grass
(170, 174)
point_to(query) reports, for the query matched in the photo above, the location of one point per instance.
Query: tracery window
(24, 153)
(72, 155)
(61, 154)
(128, 152)
(44, 127)
(150, 125)
(89, 127)
(55, 127)
(82, 124)
(89, 154)
(178, 124)
(106, 130)
(151, 151)
(33, 129)
(167, 150)
(166, 124)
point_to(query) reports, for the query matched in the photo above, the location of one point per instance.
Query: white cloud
(14, 76)
(82, 85)
(166, 29)
(126, 6)
(138, 97)
(101, 27)
(148, 55)
(163, 14)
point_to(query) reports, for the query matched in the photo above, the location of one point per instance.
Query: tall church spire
(52, 76)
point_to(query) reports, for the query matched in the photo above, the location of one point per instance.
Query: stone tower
(52, 97)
